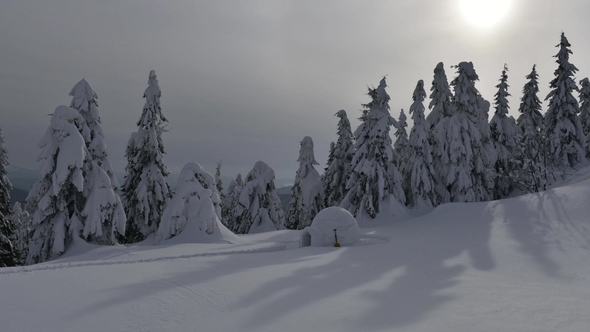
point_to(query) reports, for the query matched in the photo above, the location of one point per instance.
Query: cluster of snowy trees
(454, 154)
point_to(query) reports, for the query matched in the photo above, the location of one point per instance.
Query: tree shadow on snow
(412, 267)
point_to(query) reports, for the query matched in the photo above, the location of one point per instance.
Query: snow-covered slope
(521, 264)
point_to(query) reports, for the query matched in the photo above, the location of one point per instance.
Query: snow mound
(321, 231)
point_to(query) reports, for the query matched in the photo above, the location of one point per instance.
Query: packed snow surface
(520, 264)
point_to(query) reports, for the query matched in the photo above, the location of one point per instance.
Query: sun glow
(484, 13)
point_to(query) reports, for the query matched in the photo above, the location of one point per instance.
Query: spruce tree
(400, 147)
(565, 136)
(374, 176)
(419, 180)
(308, 198)
(464, 170)
(231, 202)
(340, 156)
(259, 207)
(194, 205)
(21, 221)
(57, 199)
(219, 188)
(103, 217)
(506, 137)
(441, 109)
(8, 256)
(585, 111)
(530, 122)
(440, 97)
(146, 191)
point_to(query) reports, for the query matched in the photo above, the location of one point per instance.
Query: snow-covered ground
(520, 264)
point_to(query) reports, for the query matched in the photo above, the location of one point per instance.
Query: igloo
(321, 231)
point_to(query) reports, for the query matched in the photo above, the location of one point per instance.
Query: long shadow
(537, 223)
(414, 262)
(384, 285)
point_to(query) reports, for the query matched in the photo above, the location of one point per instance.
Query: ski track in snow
(365, 239)
(60, 266)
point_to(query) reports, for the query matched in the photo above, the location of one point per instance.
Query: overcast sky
(246, 80)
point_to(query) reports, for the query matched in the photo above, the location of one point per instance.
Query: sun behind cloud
(484, 14)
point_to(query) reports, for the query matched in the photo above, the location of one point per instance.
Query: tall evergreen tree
(463, 171)
(308, 198)
(441, 106)
(232, 200)
(565, 135)
(259, 208)
(400, 147)
(374, 176)
(8, 256)
(145, 191)
(506, 138)
(340, 156)
(419, 178)
(440, 97)
(530, 121)
(56, 200)
(585, 111)
(21, 222)
(219, 188)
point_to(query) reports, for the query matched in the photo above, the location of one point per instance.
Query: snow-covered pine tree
(419, 181)
(441, 106)
(195, 206)
(84, 99)
(400, 147)
(259, 208)
(103, 216)
(308, 198)
(146, 191)
(57, 199)
(374, 176)
(460, 141)
(506, 137)
(441, 102)
(219, 188)
(530, 121)
(566, 144)
(21, 221)
(585, 111)
(8, 256)
(338, 167)
(231, 202)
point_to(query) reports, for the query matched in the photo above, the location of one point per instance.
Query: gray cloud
(246, 80)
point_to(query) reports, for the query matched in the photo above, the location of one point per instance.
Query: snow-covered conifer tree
(374, 176)
(419, 181)
(506, 137)
(530, 121)
(338, 167)
(21, 222)
(441, 106)
(103, 216)
(195, 205)
(57, 199)
(400, 147)
(308, 198)
(440, 97)
(231, 201)
(460, 147)
(84, 99)
(259, 208)
(585, 111)
(566, 143)
(8, 256)
(219, 188)
(145, 191)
